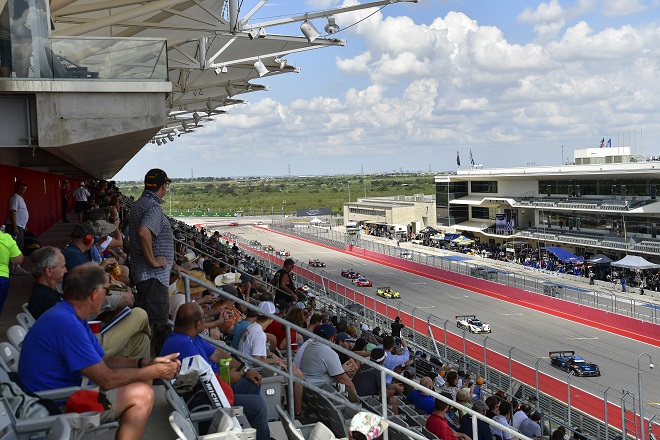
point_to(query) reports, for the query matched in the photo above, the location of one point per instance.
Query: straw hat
(194, 287)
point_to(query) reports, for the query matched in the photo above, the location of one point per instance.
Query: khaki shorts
(108, 416)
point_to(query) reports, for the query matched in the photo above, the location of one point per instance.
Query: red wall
(42, 196)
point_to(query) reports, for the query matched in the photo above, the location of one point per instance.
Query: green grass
(283, 195)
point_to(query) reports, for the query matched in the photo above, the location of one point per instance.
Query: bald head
(187, 317)
(426, 382)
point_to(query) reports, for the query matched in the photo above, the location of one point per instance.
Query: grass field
(257, 196)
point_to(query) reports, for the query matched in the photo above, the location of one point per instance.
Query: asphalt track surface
(532, 333)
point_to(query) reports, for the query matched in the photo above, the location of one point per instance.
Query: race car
(362, 282)
(254, 243)
(316, 263)
(269, 248)
(472, 324)
(386, 292)
(575, 365)
(350, 274)
(283, 252)
(233, 224)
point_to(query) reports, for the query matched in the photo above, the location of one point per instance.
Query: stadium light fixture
(170, 137)
(196, 118)
(331, 27)
(158, 141)
(261, 68)
(309, 30)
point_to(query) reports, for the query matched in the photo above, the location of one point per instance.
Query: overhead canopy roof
(600, 259)
(564, 255)
(634, 262)
(212, 45)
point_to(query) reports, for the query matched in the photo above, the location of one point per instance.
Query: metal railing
(337, 397)
(601, 299)
(497, 378)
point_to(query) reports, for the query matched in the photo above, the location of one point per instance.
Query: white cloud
(626, 7)
(423, 90)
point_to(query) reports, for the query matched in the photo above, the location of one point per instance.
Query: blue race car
(575, 365)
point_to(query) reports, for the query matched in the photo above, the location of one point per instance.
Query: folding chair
(16, 335)
(9, 356)
(185, 430)
(26, 321)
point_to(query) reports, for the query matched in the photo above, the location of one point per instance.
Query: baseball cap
(479, 406)
(368, 424)
(155, 178)
(377, 355)
(326, 330)
(245, 278)
(268, 307)
(462, 395)
(343, 336)
(20, 183)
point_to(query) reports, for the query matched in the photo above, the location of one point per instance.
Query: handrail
(291, 378)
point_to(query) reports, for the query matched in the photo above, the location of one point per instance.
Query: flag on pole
(602, 143)
(458, 158)
(609, 143)
(471, 158)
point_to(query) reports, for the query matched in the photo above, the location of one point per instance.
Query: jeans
(256, 411)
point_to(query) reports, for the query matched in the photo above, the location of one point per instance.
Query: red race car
(283, 253)
(316, 263)
(350, 274)
(233, 224)
(362, 282)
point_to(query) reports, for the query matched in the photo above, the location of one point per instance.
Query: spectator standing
(152, 253)
(16, 221)
(65, 190)
(285, 292)
(9, 254)
(80, 195)
(397, 326)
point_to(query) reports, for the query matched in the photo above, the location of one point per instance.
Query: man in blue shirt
(394, 356)
(185, 339)
(60, 349)
(420, 399)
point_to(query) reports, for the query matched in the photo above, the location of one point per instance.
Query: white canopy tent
(635, 262)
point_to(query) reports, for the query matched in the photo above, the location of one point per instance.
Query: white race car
(472, 324)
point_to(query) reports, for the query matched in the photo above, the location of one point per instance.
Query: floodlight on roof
(281, 62)
(164, 141)
(309, 30)
(254, 33)
(170, 137)
(177, 132)
(158, 142)
(261, 68)
(331, 27)
(184, 124)
(230, 90)
(209, 106)
(196, 118)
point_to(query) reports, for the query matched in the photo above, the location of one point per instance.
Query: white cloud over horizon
(427, 90)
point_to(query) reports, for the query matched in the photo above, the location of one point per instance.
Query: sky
(510, 82)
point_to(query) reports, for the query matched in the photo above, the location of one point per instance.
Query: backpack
(25, 405)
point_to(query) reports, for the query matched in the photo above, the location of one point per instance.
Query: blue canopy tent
(564, 255)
